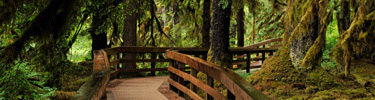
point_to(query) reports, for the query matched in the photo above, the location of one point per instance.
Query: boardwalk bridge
(184, 65)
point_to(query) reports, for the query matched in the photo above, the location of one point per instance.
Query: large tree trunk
(357, 42)
(302, 39)
(343, 23)
(219, 50)
(206, 23)
(99, 39)
(344, 17)
(130, 31)
(308, 38)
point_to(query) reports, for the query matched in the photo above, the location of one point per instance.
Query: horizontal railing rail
(234, 83)
(106, 59)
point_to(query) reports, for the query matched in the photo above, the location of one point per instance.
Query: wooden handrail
(232, 81)
(265, 42)
(94, 87)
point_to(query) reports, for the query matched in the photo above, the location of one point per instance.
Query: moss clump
(321, 78)
(276, 68)
(62, 95)
(280, 80)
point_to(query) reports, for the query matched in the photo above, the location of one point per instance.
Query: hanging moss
(281, 78)
(358, 41)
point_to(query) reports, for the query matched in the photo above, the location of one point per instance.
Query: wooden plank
(239, 50)
(153, 57)
(191, 94)
(263, 56)
(276, 46)
(143, 60)
(248, 63)
(230, 95)
(181, 67)
(198, 83)
(235, 83)
(144, 70)
(135, 49)
(210, 83)
(244, 60)
(194, 74)
(172, 76)
(264, 42)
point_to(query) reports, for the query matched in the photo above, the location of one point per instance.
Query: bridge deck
(144, 88)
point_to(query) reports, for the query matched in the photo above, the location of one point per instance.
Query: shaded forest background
(46, 45)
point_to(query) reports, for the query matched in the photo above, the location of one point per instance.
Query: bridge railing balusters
(179, 74)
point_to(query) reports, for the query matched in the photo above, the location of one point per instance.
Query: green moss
(62, 95)
(321, 79)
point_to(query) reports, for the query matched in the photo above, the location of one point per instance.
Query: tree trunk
(99, 39)
(254, 29)
(357, 42)
(240, 28)
(343, 23)
(206, 23)
(219, 50)
(344, 17)
(130, 31)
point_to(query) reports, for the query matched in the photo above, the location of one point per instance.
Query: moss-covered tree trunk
(219, 50)
(206, 23)
(344, 16)
(307, 38)
(357, 42)
(130, 31)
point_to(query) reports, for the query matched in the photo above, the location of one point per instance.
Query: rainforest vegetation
(327, 52)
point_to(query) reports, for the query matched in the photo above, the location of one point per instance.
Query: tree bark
(240, 27)
(219, 50)
(99, 39)
(303, 38)
(206, 23)
(130, 31)
(344, 17)
(254, 29)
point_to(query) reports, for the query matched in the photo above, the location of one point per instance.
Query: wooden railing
(236, 85)
(94, 87)
(240, 57)
(106, 66)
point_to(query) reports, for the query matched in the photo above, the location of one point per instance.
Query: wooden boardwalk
(144, 88)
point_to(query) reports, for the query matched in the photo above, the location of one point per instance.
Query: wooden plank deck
(143, 88)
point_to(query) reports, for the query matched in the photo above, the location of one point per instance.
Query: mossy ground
(73, 81)
(278, 79)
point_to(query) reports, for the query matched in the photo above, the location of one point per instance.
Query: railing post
(210, 82)
(230, 95)
(258, 52)
(181, 67)
(193, 73)
(173, 76)
(117, 65)
(248, 62)
(263, 56)
(153, 56)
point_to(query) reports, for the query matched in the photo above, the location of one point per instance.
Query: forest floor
(278, 79)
